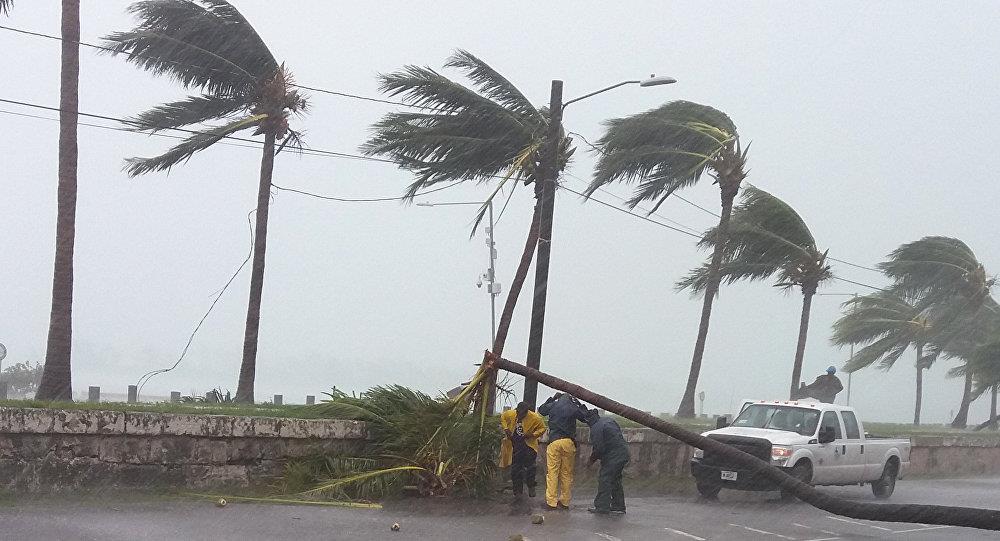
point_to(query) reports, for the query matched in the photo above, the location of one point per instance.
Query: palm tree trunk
(800, 348)
(910, 513)
(57, 381)
(993, 407)
(920, 385)
(686, 408)
(548, 178)
(248, 369)
(962, 417)
(508, 308)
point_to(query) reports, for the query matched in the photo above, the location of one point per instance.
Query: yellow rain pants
(560, 456)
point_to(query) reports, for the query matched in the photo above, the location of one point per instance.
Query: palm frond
(5, 6)
(493, 85)
(189, 147)
(666, 148)
(192, 110)
(936, 267)
(206, 44)
(886, 324)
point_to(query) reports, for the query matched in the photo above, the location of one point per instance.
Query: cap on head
(592, 416)
(831, 370)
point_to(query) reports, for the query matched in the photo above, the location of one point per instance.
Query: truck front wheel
(884, 486)
(801, 471)
(708, 490)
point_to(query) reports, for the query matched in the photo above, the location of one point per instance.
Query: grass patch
(246, 410)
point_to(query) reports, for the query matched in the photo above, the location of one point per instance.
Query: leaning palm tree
(57, 381)
(767, 238)
(485, 133)
(667, 149)
(208, 46)
(953, 286)
(886, 324)
(985, 367)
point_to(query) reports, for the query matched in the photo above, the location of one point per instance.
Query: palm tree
(667, 149)
(207, 45)
(985, 366)
(766, 238)
(5, 6)
(484, 133)
(886, 324)
(953, 286)
(57, 382)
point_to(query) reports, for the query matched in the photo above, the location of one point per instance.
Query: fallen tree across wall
(986, 519)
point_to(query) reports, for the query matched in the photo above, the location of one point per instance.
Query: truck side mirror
(721, 422)
(826, 434)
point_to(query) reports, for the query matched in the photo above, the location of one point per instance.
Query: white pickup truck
(819, 443)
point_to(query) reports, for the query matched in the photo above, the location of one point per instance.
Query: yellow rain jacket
(534, 427)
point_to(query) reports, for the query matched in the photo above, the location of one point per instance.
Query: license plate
(728, 475)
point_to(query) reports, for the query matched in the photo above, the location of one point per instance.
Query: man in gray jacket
(610, 448)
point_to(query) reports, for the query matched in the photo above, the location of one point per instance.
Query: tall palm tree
(886, 324)
(57, 381)
(667, 149)
(484, 133)
(953, 286)
(767, 238)
(985, 366)
(208, 46)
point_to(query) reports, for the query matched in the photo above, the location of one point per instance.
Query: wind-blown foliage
(414, 439)
(5, 6)
(208, 46)
(885, 324)
(954, 289)
(767, 238)
(666, 149)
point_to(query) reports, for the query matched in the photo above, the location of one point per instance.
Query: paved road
(737, 516)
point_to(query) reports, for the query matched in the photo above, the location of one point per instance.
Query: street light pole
(547, 178)
(849, 374)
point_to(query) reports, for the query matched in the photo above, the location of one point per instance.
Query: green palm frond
(985, 364)
(664, 149)
(766, 238)
(189, 147)
(937, 268)
(191, 110)
(203, 44)
(886, 323)
(482, 132)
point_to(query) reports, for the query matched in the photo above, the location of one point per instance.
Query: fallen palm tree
(987, 519)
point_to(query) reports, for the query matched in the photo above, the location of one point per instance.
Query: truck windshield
(800, 420)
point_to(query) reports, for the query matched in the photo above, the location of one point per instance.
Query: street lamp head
(656, 81)
(425, 204)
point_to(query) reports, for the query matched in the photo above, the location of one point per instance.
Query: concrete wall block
(179, 424)
(11, 420)
(112, 449)
(210, 451)
(145, 424)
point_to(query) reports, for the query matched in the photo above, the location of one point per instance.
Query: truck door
(853, 449)
(829, 468)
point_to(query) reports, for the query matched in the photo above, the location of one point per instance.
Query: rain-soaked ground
(737, 516)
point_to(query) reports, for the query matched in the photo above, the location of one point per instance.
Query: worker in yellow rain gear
(519, 449)
(563, 412)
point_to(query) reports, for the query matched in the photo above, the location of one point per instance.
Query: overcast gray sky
(873, 120)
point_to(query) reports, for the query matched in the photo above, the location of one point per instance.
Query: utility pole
(492, 286)
(549, 172)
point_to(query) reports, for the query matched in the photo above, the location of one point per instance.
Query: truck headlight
(698, 453)
(780, 453)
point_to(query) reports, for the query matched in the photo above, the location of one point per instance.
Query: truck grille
(757, 447)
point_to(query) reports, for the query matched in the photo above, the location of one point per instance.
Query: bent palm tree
(479, 134)
(985, 367)
(209, 46)
(766, 238)
(886, 324)
(953, 286)
(667, 149)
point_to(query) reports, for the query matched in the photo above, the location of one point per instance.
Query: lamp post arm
(612, 87)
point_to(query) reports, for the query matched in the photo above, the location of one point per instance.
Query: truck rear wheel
(801, 471)
(708, 490)
(884, 486)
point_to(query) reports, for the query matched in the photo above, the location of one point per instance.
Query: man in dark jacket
(610, 448)
(826, 386)
(563, 412)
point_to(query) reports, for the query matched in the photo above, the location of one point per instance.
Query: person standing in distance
(563, 412)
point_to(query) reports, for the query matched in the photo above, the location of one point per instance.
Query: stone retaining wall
(70, 450)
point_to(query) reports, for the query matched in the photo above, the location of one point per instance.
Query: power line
(307, 151)
(658, 215)
(630, 213)
(304, 87)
